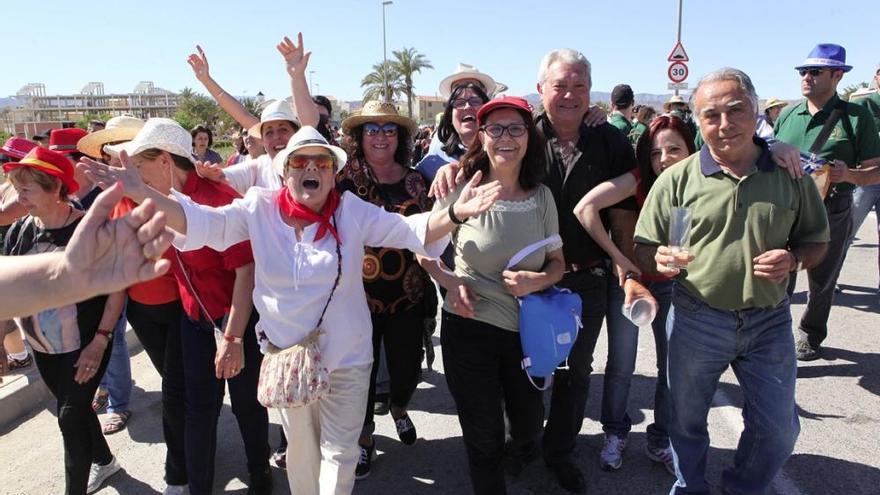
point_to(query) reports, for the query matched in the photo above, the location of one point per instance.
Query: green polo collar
(709, 166)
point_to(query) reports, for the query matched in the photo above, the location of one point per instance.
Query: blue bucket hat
(826, 55)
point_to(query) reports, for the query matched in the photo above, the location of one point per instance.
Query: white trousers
(322, 449)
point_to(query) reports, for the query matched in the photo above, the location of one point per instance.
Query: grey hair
(727, 74)
(566, 56)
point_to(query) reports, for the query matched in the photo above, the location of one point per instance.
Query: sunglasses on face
(389, 129)
(297, 162)
(473, 101)
(497, 130)
(811, 72)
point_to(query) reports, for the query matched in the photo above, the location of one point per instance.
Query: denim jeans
(758, 345)
(623, 342)
(204, 399)
(865, 198)
(117, 380)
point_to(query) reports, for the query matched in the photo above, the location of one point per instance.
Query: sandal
(100, 402)
(115, 422)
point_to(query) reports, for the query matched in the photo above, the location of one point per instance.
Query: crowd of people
(312, 237)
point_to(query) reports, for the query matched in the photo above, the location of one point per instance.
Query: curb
(23, 394)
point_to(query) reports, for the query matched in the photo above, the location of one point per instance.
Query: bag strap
(531, 248)
(195, 294)
(548, 382)
(335, 283)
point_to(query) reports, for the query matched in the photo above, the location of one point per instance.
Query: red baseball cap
(64, 140)
(49, 162)
(514, 102)
(16, 147)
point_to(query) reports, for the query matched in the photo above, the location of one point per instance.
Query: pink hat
(64, 140)
(16, 147)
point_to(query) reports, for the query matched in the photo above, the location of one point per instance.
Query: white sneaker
(174, 490)
(98, 474)
(612, 453)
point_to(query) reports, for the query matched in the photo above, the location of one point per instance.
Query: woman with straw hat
(308, 243)
(772, 108)
(379, 144)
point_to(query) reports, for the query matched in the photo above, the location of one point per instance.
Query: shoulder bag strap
(531, 248)
(336, 282)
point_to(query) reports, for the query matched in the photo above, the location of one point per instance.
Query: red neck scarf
(291, 208)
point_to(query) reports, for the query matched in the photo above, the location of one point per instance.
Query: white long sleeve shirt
(293, 279)
(253, 172)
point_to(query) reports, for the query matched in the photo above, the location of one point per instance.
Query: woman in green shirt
(479, 332)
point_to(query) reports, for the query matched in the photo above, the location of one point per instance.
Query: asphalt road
(837, 451)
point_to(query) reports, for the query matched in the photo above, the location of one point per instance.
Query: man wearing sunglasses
(853, 147)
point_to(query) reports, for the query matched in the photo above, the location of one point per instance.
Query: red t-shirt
(211, 273)
(161, 290)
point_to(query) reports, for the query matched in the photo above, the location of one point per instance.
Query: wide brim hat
(49, 162)
(514, 102)
(672, 101)
(462, 73)
(17, 148)
(774, 102)
(65, 140)
(158, 133)
(305, 137)
(826, 56)
(277, 110)
(380, 113)
(122, 128)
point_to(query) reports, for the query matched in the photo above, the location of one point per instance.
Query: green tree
(252, 106)
(849, 90)
(195, 108)
(374, 83)
(407, 62)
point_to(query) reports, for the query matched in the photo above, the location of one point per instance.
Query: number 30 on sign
(678, 72)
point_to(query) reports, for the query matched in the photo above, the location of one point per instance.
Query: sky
(123, 42)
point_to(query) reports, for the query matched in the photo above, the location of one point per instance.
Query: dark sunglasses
(497, 130)
(473, 101)
(302, 161)
(811, 72)
(389, 129)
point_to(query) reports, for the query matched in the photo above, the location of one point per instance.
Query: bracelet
(232, 339)
(452, 216)
(108, 334)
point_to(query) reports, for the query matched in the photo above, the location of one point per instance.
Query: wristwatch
(798, 264)
(106, 333)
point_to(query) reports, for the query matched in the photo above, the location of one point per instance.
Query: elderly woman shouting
(308, 244)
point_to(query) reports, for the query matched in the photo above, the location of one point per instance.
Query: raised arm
(296, 60)
(199, 63)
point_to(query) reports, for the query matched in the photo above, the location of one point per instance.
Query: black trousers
(402, 334)
(571, 386)
(84, 442)
(482, 364)
(158, 329)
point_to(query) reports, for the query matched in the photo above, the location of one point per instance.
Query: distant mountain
(655, 101)
(8, 102)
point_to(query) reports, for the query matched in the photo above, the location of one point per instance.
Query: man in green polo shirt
(622, 99)
(752, 226)
(854, 149)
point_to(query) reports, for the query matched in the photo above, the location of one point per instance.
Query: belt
(579, 267)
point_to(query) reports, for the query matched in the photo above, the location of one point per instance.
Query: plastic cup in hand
(680, 236)
(641, 312)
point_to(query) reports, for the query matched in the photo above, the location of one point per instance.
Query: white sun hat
(160, 133)
(277, 110)
(305, 137)
(466, 72)
(121, 128)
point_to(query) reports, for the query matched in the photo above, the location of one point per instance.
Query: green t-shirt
(620, 121)
(484, 245)
(872, 103)
(734, 220)
(797, 127)
(637, 130)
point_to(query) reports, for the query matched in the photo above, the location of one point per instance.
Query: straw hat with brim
(380, 113)
(672, 101)
(122, 128)
(159, 133)
(305, 137)
(463, 73)
(277, 110)
(774, 102)
(49, 162)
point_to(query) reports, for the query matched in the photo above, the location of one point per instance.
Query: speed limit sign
(678, 72)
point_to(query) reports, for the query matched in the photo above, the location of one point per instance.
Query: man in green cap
(853, 147)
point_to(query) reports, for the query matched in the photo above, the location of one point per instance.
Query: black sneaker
(280, 458)
(365, 463)
(569, 476)
(517, 459)
(806, 352)
(261, 483)
(382, 404)
(406, 430)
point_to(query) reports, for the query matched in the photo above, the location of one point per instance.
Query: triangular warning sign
(678, 54)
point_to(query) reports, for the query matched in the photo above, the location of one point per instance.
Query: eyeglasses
(389, 129)
(811, 72)
(297, 162)
(497, 130)
(473, 101)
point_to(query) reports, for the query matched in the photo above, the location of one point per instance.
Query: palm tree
(408, 62)
(375, 83)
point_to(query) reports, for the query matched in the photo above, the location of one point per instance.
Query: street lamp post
(385, 3)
